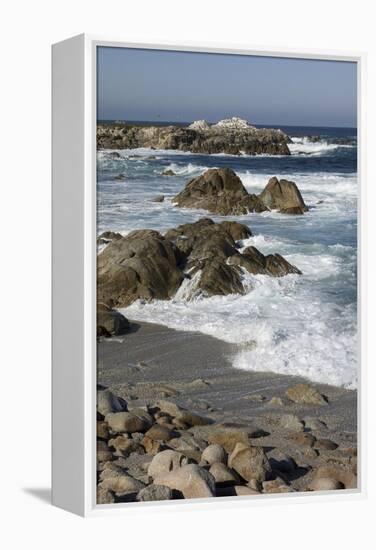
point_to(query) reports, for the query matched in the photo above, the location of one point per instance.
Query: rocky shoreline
(185, 424)
(234, 137)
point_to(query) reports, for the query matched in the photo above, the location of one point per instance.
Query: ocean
(300, 325)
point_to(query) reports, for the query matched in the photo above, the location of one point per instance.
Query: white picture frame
(74, 275)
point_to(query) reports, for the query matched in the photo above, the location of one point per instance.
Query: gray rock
(191, 480)
(283, 195)
(222, 474)
(120, 422)
(107, 402)
(249, 462)
(155, 492)
(166, 461)
(214, 453)
(305, 394)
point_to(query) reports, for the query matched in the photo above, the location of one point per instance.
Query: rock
(155, 492)
(166, 461)
(325, 484)
(168, 173)
(302, 439)
(107, 402)
(109, 236)
(127, 422)
(182, 415)
(243, 490)
(249, 462)
(110, 322)
(124, 446)
(103, 452)
(256, 263)
(222, 474)
(142, 265)
(158, 198)
(226, 437)
(276, 486)
(120, 483)
(191, 480)
(160, 433)
(119, 177)
(304, 394)
(214, 453)
(152, 446)
(326, 444)
(238, 231)
(291, 422)
(284, 196)
(219, 190)
(104, 496)
(199, 137)
(314, 424)
(102, 429)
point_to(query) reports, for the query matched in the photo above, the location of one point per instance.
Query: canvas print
(226, 275)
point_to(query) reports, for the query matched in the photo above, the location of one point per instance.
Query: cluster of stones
(221, 191)
(163, 451)
(147, 265)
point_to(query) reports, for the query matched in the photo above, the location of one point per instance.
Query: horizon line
(274, 125)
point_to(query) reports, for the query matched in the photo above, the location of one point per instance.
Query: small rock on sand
(191, 480)
(214, 453)
(304, 394)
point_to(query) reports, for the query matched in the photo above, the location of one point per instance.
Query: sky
(155, 85)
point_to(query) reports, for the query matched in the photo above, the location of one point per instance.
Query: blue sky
(136, 84)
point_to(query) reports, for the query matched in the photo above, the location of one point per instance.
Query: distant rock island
(233, 136)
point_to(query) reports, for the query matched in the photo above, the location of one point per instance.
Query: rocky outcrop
(232, 136)
(219, 191)
(201, 258)
(283, 195)
(141, 265)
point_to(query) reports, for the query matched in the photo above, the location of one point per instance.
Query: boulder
(340, 474)
(155, 492)
(107, 402)
(120, 483)
(158, 198)
(249, 462)
(110, 322)
(222, 474)
(238, 231)
(325, 484)
(160, 433)
(214, 453)
(120, 422)
(304, 394)
(276, 486)
(219, 190)
(166, 461)
(190, 480)
(283, 195)
(141, 265)
(168, 173)
(256, 263)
